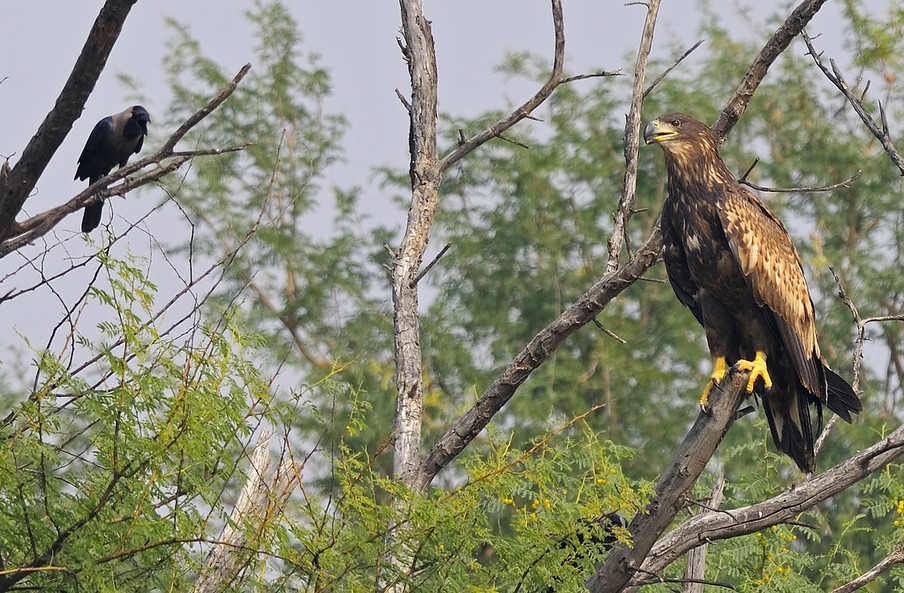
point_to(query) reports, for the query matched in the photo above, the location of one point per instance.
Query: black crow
(112, 141)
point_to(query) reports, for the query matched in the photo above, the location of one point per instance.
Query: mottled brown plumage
(731, 261)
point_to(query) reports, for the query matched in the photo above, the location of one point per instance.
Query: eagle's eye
(676, 123)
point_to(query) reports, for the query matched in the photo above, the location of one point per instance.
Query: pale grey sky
(357, 41)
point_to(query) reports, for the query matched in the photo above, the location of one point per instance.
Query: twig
(880, 132)
(670, 68)
(432, 263)
(799, 190)
(608, 332)
(600, 74)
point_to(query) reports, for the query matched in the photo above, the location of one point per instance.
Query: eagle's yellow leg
(714, 379)
(757, 368)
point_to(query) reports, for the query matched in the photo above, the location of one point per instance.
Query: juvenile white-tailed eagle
(730, 260)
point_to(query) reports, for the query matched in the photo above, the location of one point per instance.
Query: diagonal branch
(166, 160)
(879, 131)
(520, 113)
(535, 353)
(17, 185)
(671, 491)
(778, 43)
(716, 525)
(896, 557)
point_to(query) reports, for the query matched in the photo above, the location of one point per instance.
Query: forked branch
(880, 131)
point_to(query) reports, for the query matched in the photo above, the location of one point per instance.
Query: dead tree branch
(555, 79)
(778, 43)
(879, 131)
(426, 173)
(22, 178)
(670, 495)
(541, 347)
(696, 558)
(674, 65)
(632, 141)
(166, 160)
(722, 524)
(261, 497)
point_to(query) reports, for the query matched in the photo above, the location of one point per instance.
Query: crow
(112, 141)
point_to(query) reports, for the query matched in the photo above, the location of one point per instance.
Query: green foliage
(110, 465)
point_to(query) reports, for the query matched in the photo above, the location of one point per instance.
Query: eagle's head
(685, 141)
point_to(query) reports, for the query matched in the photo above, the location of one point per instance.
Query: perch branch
(15, 187)
(723, 524)
(670, 496)
(165, 159)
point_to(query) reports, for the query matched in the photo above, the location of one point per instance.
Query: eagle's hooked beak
(657, 131)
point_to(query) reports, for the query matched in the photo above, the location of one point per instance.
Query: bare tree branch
(671, 491)
(426, 173)
(555, 79)
(696, 558)
(632, 141)
(547, 340)
(254, 508)
(791, 190)
(880, 131)
(716, 525)
(15, 188)
(666, 72)
(896, 557)
(778, 43)
(35, 227)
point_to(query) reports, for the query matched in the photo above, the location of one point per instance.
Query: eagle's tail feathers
(789, 420)
(842, 400)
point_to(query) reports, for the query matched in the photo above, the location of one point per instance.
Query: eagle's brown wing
(770, 263)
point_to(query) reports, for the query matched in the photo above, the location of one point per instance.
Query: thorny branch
(21, 234)
(879, 131)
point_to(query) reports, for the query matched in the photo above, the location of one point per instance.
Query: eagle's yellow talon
(718, 373)
(757, 368)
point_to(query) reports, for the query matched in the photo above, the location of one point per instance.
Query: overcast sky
(41, 39)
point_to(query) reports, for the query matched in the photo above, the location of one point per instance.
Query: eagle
(730, 260)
